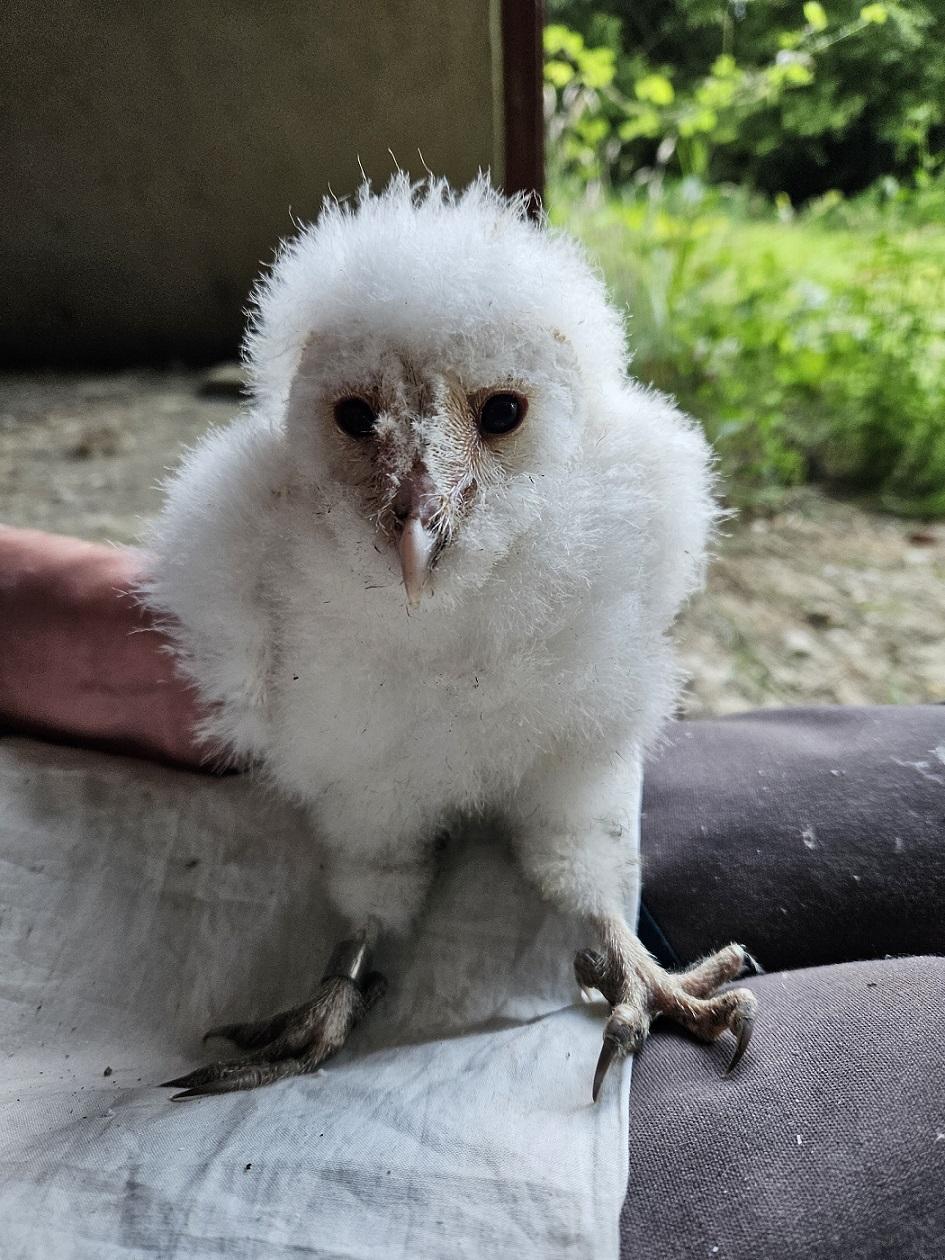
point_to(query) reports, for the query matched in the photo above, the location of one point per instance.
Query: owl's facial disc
(411, 512)
(429, 461)
(421, 446)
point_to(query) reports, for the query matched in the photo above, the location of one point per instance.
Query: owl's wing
(209, 573)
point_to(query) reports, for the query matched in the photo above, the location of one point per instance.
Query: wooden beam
(522, 61)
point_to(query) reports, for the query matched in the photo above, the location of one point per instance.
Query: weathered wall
(151, 153)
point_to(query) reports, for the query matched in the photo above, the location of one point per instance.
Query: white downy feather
(538, 661)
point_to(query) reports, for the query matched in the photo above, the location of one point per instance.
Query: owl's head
(438, 363)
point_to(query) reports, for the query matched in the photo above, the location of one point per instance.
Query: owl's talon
(639, 990)
(204, 1091)
(607, 1055)
(752, 966)
(227, 1078)
(294, 1042)
(624, 1034)
(743, 1026)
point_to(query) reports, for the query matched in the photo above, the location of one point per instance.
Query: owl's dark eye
(355, 417)
(501, 413)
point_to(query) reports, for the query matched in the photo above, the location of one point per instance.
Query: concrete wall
(151, 153)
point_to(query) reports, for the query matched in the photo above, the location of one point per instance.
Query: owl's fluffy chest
(455, 724)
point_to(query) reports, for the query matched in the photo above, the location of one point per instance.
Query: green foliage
(784, 95)
(812, 346)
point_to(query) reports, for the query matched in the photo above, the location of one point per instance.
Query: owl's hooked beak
(416, 551)
(415, 508)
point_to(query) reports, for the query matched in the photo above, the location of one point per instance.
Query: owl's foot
(639, 990)
(296, 1041)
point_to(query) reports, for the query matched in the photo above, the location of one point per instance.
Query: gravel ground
(822, 603)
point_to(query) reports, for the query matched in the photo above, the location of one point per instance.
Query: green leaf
(646, 123)
(724, 66)
(561, 39)
(559, 73)
(655, 88)
(798, 75)
(716, 93)
(701, 120)
(789, 74)
(874, 14)
(597, 67)
(593, 130)
(815, 15)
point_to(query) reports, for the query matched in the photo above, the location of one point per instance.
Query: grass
(811, 345)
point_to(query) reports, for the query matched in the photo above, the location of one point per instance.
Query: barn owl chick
(429, 572)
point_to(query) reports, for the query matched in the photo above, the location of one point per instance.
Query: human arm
(80, 660)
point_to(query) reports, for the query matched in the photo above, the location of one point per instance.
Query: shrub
(782, 95)
(812, 346)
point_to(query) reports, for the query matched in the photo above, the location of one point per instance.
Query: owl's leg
(296, 1041)
(380, 888)
(639, 990)
(576, 824)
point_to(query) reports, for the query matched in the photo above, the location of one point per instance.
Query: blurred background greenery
(764, 186)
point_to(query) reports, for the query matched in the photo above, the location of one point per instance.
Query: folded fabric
(811, 835)
(142, 905)
(816, 836)
(831, 1146)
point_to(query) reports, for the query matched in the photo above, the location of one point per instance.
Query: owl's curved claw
(639, 990)
(227, 1078)
(202, 1092)
(743, 1026)
(624, 1034)
(607, 1055)
(297, 1041)
(752, 966)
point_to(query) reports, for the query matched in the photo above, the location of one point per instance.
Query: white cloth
(141, 905)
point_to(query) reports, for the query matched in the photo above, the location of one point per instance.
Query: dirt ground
(821, 603)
